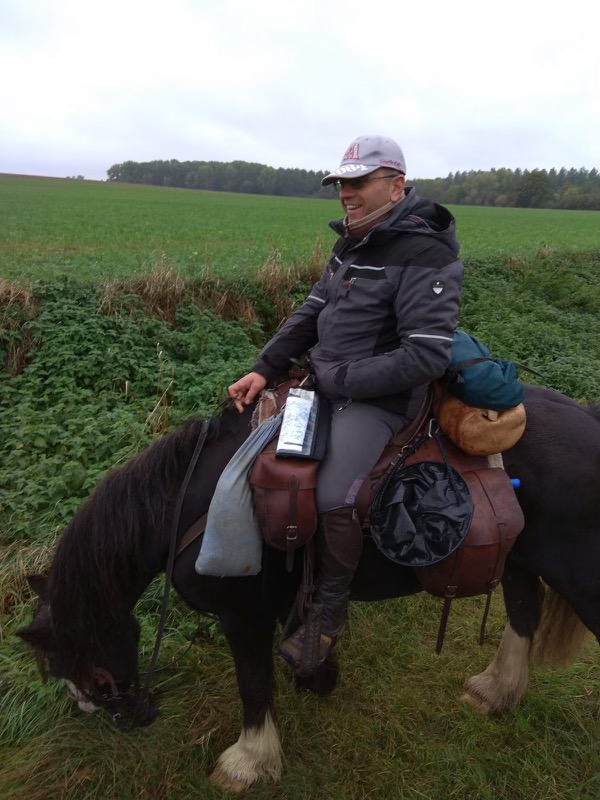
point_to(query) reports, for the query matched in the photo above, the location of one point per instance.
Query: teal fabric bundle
(479, 379)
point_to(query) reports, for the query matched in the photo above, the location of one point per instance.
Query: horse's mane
(101, 563)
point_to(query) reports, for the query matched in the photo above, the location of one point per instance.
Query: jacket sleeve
(426, 306)
(297, 334)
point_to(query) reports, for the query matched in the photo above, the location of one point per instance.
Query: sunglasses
(360, 183)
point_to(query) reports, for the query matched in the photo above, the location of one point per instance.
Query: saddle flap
(271, 472)
(497, 514)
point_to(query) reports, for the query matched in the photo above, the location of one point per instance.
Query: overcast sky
(460, 85)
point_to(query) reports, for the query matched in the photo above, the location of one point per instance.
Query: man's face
(362, 196)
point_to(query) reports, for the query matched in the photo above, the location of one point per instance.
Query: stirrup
(305, 662)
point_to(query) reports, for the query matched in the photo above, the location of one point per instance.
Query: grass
(393, 729)
(54, 227)
(125, 309)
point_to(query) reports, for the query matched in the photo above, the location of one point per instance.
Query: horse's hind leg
(502, 685)
(257, 754)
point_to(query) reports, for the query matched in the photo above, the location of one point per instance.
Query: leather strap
(192, 533)
(485, 613)
(443, 622)
(144, 694)
(291, 531)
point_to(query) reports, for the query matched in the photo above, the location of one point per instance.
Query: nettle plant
(97, 389)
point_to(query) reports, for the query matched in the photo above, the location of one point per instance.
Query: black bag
(422, 512)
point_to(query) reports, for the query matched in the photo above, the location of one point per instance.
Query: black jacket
(382, 316)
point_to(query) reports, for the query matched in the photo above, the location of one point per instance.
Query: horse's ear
(37, 636)
(39, 584)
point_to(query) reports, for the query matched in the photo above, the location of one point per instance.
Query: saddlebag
(475, 566)
(477, 431)
(284, 486)
(284, 499)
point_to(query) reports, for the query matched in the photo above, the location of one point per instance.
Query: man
(380, 322)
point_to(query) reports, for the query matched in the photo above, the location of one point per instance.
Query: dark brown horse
(118, 541)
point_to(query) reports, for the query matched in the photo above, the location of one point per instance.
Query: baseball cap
(365, 155)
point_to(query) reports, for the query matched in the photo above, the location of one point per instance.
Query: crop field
(126, 309)
(101, 230)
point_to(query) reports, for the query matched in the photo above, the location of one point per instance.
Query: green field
(95, 369)
(103, 230)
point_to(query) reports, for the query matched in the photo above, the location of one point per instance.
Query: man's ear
(397, 188)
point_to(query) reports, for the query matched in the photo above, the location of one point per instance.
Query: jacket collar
(381, 228)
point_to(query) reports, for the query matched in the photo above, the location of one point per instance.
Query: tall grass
(393, 729)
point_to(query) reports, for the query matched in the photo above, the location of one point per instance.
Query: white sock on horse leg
(502, 685)
(256, 755)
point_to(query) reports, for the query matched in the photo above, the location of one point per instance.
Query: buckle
(291, 533)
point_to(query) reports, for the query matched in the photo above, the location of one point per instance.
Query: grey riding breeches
(357, 436)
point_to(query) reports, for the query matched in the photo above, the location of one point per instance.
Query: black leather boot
(339, 546)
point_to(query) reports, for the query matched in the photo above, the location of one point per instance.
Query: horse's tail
(560, 635)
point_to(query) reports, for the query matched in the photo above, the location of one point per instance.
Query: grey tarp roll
(232, 543)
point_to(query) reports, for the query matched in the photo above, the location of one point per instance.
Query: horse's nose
(84, 703)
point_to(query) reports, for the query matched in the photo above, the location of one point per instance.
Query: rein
(145, 692)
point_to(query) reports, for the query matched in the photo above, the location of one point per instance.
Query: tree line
(537, 188)
(217, 176)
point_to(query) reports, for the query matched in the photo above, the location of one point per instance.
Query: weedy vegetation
(126, 309)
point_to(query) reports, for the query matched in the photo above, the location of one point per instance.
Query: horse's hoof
(487, 694)
(256, 756)
(476, 702)
(221, 778)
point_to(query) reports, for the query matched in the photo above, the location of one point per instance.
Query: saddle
(285, 498)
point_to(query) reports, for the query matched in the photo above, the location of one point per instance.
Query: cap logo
(438, 287)
(351, 153)
(351, 168)
(389, 162)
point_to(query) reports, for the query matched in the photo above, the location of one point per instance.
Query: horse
(85, 632)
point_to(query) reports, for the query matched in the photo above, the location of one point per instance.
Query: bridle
(118, 699)
(120, 702)
(143, 705)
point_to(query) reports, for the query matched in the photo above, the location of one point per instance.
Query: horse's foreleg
(257, 754)
(502, 685)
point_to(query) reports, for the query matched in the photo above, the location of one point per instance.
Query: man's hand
(245, 390)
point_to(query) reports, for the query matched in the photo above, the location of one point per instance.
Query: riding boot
(338, 550)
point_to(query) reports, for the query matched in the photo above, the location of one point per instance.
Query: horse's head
(106, 677)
